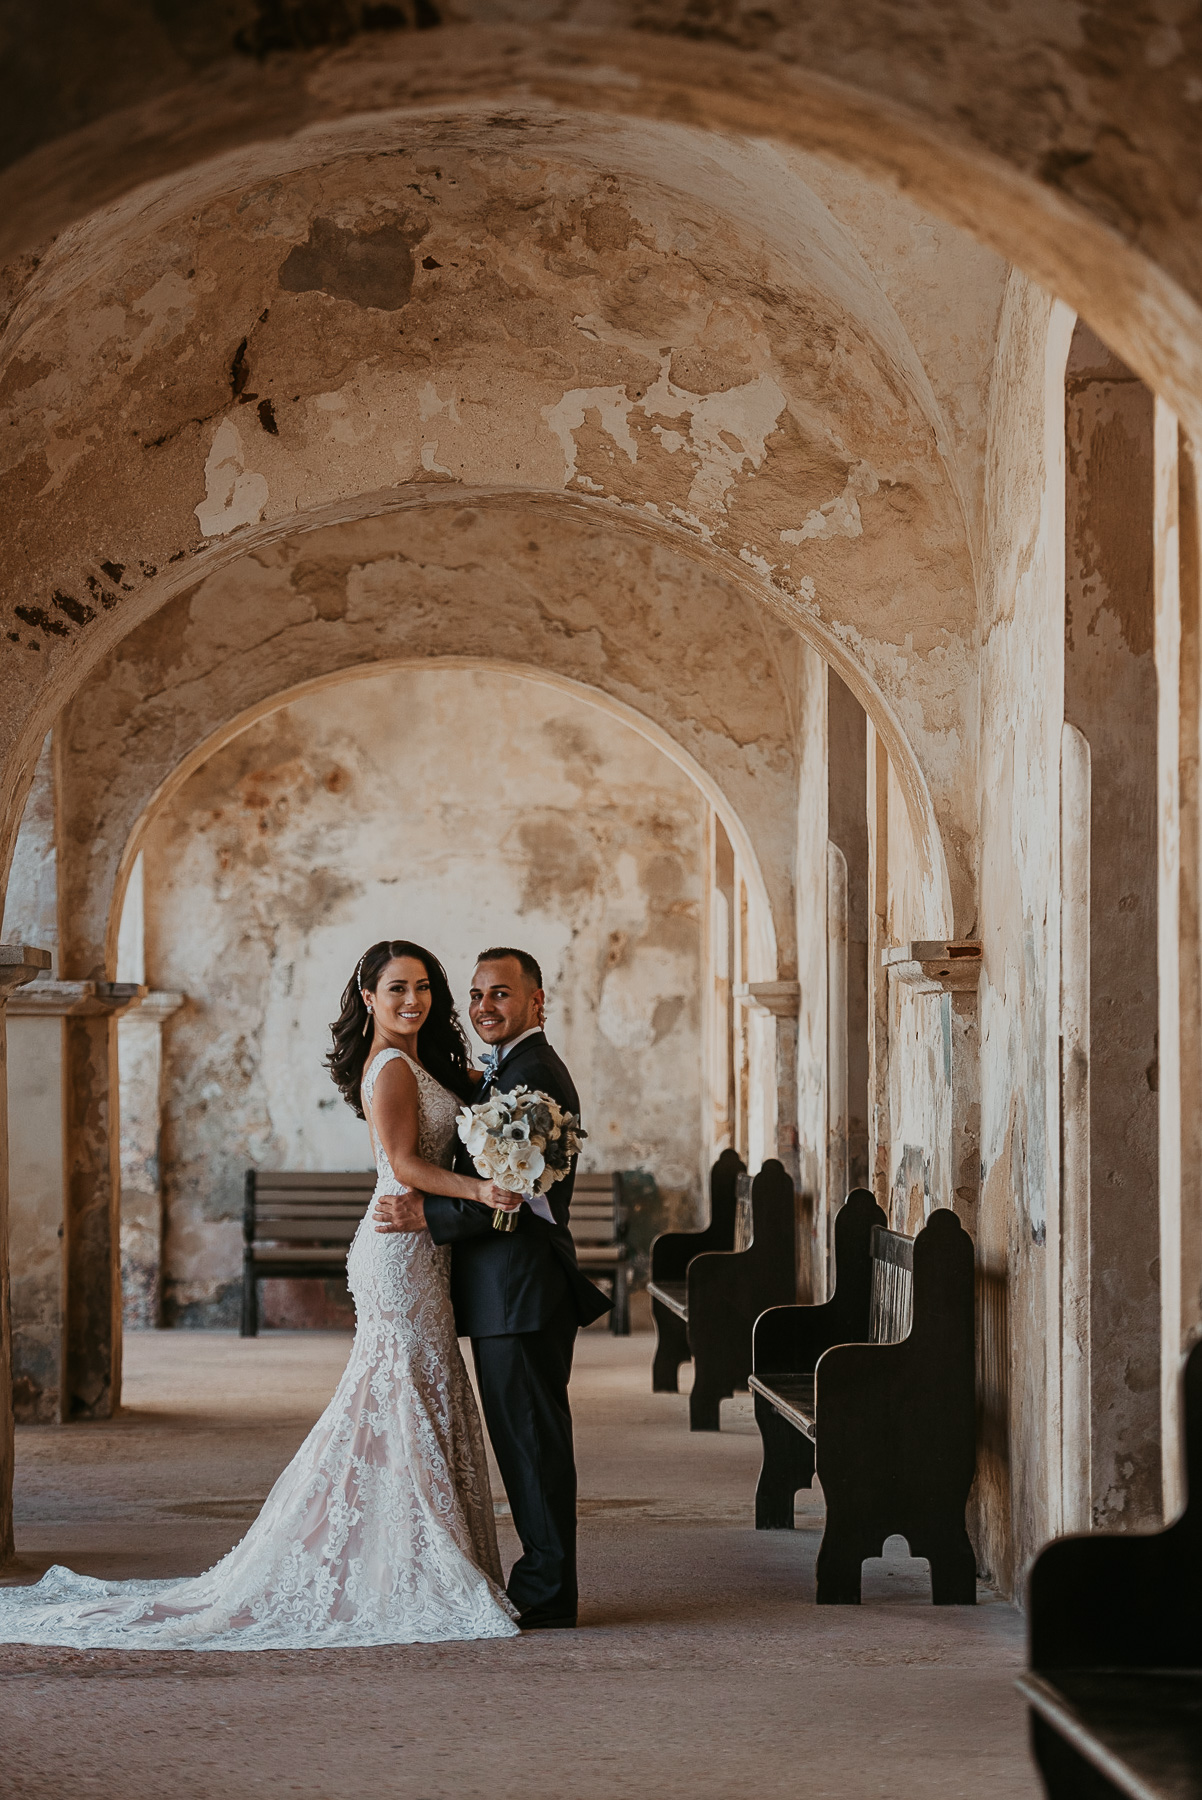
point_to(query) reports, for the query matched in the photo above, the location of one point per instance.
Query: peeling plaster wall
(919, 1037)
(627, 307)
(457, 808)
(684, 335)
(35, 1096)
(31, 898)
(638, 623)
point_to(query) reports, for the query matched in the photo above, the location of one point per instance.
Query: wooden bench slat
(306, 1234)
(1139, 1728)
(268, 1180)
(290, 1207)
(279, 1215)
(299, 1253)
(792, 1396)
(672, 1294)
(302, 1221)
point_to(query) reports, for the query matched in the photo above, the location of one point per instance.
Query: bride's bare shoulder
(394, 1078)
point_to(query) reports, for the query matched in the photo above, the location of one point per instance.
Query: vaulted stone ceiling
(705, 341)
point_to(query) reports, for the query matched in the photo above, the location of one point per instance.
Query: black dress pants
(524, 1391)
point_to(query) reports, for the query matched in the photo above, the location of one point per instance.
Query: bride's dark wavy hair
(441, 1044)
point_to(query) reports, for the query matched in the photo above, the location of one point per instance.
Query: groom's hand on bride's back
(400, 1212)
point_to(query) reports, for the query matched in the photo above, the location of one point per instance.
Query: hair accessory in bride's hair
(358, 973)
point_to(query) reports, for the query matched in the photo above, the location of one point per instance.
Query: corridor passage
(702, 1668)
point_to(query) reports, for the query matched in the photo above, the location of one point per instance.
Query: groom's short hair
(522, 958)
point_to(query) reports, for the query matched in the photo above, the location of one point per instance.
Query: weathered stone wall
(456, 808)
(31, 898)
(36, 1179)
(1111, 696)
(1022, 708)
(522, 281)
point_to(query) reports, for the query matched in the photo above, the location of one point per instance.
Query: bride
(380, 1530)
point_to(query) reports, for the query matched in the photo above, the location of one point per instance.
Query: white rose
(484, 1159)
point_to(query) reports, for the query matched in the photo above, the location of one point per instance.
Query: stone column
(1076, 1488)
(18, 964)
(65, 1199)
(837, 1150)
(140, 1038)
(952, 971)
(781, 1002)
(1184, 1269)
(1112, 697)
(847, 827)
(879, 1129)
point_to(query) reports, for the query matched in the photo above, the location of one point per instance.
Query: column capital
(780, 998)
(156, 1005)
(936, 966)
(74, 999)
(20, 963)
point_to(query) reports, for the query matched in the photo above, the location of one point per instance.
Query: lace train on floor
(379, 1531)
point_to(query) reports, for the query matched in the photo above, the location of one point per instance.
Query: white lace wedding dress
(380, 1530)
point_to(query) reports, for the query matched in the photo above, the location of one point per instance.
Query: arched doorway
(459, 805)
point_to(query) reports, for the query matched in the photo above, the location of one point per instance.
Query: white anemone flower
(475, 1137)
(527, 1161)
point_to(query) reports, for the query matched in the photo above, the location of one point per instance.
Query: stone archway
(763, 935)
(639, 618)
(1017, 129)
(1031, 149)
(452, 802)
(808, 453)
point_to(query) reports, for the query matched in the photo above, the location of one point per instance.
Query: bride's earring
(367, 1021)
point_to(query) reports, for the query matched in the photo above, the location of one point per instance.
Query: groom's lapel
(508, 1064)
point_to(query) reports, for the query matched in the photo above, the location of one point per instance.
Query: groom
(520, 1297)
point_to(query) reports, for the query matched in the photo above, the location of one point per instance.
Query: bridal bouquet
(523, 1141)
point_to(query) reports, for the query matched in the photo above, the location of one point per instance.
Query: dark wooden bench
(723, 1292)
(297, 1226)
(671, 1254)
(1115, 1689)
(598, 1223)
(875, 1392)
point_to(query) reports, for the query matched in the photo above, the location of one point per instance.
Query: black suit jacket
(509, 1281)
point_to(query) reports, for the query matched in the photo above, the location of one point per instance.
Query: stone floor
(703, 1669)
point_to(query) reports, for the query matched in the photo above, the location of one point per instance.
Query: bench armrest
(788, 1340)
(673, 1251)
(1117, 1601)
